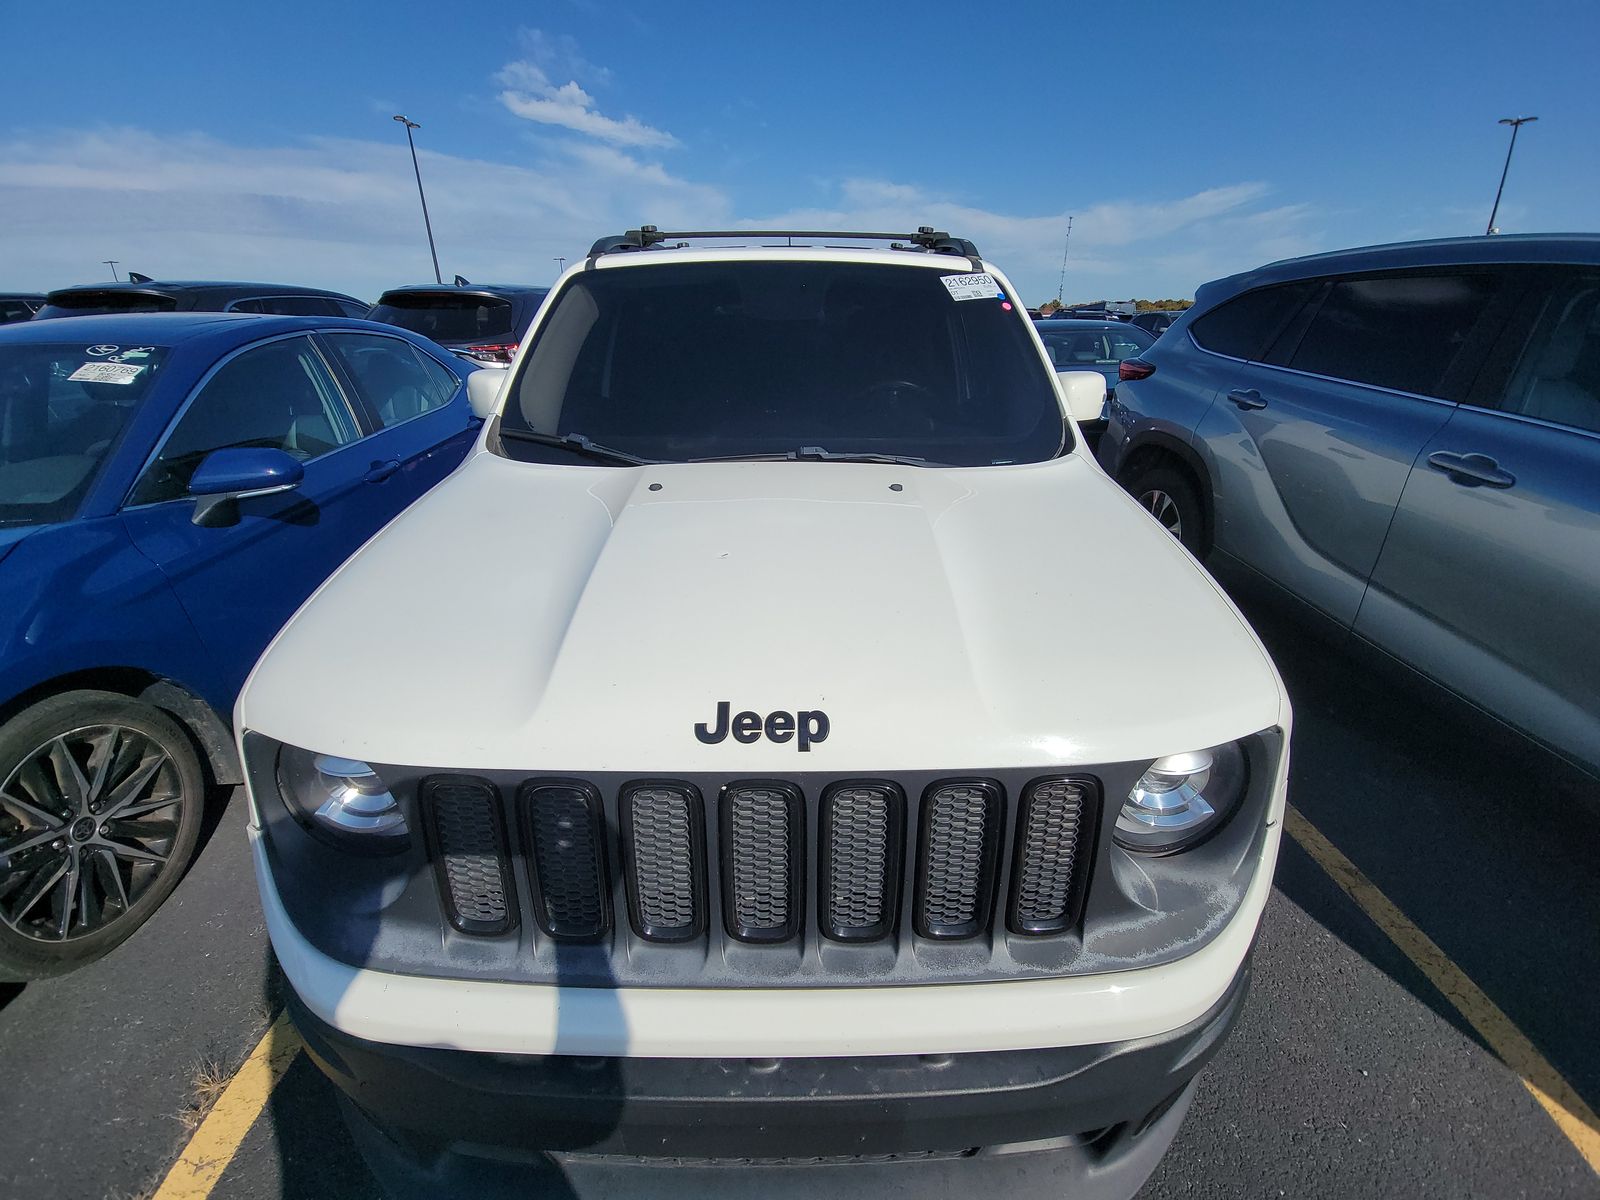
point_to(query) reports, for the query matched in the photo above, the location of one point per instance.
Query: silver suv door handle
(1247, 398)
(1471, 470)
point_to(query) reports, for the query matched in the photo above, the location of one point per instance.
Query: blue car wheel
(101, 800)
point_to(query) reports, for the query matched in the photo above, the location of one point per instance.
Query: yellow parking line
(1555, 1095)
(217, 1140)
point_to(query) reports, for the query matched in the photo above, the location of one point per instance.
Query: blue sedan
(172, 488)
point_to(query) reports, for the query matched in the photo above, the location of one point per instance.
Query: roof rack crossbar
(925, 238)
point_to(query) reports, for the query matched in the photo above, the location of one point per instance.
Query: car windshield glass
(1084, 347)
(684, 361)
(445, 316)
(94, 304)
(62, 408)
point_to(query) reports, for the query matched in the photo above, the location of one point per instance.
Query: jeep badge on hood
(806, 728)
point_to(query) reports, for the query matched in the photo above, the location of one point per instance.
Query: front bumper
(1101, 1097)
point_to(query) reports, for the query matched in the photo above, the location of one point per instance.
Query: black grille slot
(570, 896)
(663, 839)
(469, 853)
(960, 835)
(762, 860)
(1046, 875)
(860, 867)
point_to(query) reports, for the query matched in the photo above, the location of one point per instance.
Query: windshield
(444, 316)
(62, 408)
(747, 359)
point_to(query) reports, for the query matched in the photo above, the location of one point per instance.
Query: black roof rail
(926, 238)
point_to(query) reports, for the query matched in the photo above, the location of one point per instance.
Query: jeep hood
(572, 619)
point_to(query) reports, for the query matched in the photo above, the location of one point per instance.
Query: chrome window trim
(1539, 422)
(183, 410)
(383, 333)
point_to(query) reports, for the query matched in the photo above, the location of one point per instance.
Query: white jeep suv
(779, 740)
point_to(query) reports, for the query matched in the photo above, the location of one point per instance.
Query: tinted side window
(293, 306)
(396, 381)
(14, 310)
(351, 308)
(1557, 374)
(1394, 331)
(279, 395)
(1247, 324)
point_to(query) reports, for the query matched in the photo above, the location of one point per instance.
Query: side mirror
(483, 390)
(1085, 393)
(224, 477)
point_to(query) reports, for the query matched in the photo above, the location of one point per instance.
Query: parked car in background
(1098, 346)
(1407, 439)
(481, 322)
(1087, 313)
(172, 487)
(1157, 321)
(19, 306)
(143, 295)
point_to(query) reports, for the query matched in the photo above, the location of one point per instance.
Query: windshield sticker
(131, 352)
(978, 286)
(106, 372)
(99, 350)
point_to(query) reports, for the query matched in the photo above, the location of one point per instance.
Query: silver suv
(1407, 438)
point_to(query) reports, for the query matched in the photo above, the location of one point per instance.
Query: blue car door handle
(1471, 469)
(382, 470)
(1247, 398)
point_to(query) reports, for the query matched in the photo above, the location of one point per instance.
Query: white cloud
(340, 213)
(532, 93)
(343, 213)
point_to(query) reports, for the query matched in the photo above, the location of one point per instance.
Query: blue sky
(1189, 140)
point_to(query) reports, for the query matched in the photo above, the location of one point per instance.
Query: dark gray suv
(1407, 438)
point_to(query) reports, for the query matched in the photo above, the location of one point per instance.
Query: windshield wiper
(818, 454)
(577, 442)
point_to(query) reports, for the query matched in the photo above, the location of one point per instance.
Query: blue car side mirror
(224, 477)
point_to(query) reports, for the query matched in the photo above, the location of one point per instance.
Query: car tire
(1169, 496)
(101, 801)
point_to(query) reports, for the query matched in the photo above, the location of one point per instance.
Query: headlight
(342, 801)
(1180, 799)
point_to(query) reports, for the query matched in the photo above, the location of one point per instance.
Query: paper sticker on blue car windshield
(106, 372)
(979, 285)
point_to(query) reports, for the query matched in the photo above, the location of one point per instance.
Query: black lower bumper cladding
(435, 1100)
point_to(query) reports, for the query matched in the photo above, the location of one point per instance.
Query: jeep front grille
(663, 846)
(762, 860)
(564, 823)
(1045, 876)
(767, 862)
(469, 853)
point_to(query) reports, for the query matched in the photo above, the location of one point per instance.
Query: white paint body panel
(567, 619)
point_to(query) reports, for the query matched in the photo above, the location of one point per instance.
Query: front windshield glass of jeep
(689, 361)
(62, 408)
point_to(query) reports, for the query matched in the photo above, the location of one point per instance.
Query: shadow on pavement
(1481, 838)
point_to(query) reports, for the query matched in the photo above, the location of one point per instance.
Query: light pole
(112, 263)
(427, 224)
(561, 265)
(1516, 123)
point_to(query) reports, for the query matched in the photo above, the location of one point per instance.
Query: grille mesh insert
(471, 854)
(859, 839)
(663, 844)
(567, 860)
(958, 834)
(1047, 851)
(761, 860)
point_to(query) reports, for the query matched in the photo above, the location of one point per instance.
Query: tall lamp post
(427, 224)
(1516, 123)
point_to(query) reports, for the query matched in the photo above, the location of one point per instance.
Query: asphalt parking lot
(1350, 1073)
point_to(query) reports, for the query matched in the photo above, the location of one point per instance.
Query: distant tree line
(1050, 306)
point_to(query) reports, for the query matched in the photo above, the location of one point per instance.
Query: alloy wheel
(1164, 508)
(87, 824)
